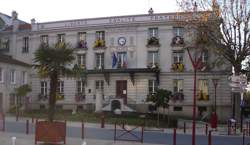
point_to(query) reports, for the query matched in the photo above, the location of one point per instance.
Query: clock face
(121, 41)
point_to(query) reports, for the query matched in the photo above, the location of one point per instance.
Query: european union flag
(114, 60)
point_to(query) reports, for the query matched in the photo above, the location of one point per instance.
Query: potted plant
(82, 44)
(177, 40)
(99, 43)
(178, 67)
(153, 41)
(51, 62)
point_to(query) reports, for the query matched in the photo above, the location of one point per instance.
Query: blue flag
(114, 60)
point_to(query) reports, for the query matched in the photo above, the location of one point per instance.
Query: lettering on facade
(121, 20)
(75, 23)
(165, 17)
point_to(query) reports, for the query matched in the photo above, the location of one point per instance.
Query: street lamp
(215, 83)
(196, 62)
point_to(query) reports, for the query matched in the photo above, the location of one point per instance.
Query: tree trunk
(237, 69)
(52, 96)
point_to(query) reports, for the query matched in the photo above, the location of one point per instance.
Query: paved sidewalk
(22, 139)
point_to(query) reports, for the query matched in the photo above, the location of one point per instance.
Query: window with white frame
(122, 60)
(80, 85)
(44, 39)
(153, 32)
(24, 77)
(178, 85)
(60, 87)
(60, 38)
(13, 76)
(44, 88)
(1, 75)
(100, 35)
(178, 56)
(152, 86)
(99, 60)
(99, 85)
(178, 31)
(82, 36)
(203, 90)
(153, 59)
(25, 48)
(5, 43)
(81, 60)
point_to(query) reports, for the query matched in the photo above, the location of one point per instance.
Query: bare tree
(225, 26)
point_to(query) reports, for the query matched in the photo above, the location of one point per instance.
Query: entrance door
(121, 90)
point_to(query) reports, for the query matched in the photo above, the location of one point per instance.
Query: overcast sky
(53, 10)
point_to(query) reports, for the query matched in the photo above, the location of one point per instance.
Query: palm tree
(52, 62)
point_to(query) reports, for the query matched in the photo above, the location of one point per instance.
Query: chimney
(15, 21)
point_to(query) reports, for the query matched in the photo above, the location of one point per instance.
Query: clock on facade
(121, 41)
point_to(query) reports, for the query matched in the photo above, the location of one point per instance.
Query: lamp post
(215, 83)
(196, 61)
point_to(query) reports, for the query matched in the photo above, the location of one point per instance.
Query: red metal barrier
(27, 126)
(174, 137)
(120, 133)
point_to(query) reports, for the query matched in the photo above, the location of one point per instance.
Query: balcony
(153, 66)
(177, 96)
(202, 96)
(81, 45)
(153, 42)
(177, 41)
(42, 97)
(99, 44)
(178, 67)
(59, 96)
(79, 97)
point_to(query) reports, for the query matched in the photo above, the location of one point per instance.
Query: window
(178, 31)
(80, 87)
(152, 86)
(5, 44)
(24, 77)
(178, 56)
(178, 108)
(122, 61)
(82, 36)
(43, 88)
(153, 59)
(44, 39)
(178, 85)
(99, 60)
(1, 75)
(25, 48)
(100, 35)
(153, 32)
(81, 60)
(99, 85)
(13, 77)
(203, 90)
(204, 56)
(60, 87)
(61, 38)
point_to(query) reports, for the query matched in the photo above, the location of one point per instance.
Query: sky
(54, 10)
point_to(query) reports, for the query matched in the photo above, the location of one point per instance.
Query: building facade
(126, 58)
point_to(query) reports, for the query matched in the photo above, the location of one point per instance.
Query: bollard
(3, 122)
(210, 138)
(243, 139)
(13, 140)
(206, 130)
(17, 116)
(184, 128)
(123, 124)
(102, 121)
(142, 131)
(228, 128)
(27, 126)
(174, 137)
(82, 130)
(115, 132)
